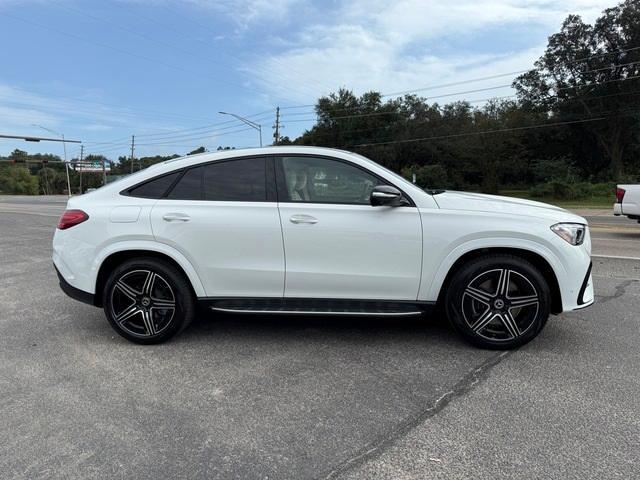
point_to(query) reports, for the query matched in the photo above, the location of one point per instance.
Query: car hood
(480, 202)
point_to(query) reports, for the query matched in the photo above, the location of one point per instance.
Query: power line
(380, 128)
(163, 143)
(166, 140)
(453, 94)
(490, 77)
(518, 72)
(209, 136)
(501, 130)
(192, 132)
(197, 131)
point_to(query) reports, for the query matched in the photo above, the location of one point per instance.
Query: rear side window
(241, 180)
(236, 181)
(154, 188)
(189, 187)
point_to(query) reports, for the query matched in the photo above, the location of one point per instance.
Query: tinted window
(236, 181)
(231, 181)
(155, 188)
(189, 187)
(322, 180)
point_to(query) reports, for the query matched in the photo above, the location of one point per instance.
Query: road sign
(91, 166)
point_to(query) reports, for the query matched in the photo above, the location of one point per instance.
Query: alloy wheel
(500, 304)
(142, 303)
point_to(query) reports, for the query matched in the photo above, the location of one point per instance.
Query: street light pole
(64, 144)
(254, 125)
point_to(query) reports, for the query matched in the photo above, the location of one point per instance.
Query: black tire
(498, 301)
(148, 300)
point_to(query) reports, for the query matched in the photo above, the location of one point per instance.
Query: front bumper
(586, 294)
(73, 292)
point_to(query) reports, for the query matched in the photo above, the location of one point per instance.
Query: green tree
(587, 73)
(197, 150)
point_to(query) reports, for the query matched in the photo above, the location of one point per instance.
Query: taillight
(71, 218)
(620, 194)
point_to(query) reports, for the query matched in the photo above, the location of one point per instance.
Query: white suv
(304, 230)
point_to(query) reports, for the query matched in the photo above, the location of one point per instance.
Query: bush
(18, 181)
(553, 169)
(562, 190)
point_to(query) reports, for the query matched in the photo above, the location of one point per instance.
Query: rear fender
(150, 246)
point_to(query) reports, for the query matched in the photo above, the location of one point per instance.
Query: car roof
(245, 152)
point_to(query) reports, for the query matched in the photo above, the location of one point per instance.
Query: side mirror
(387, 195)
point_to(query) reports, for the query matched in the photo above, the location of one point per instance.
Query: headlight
(571, 232)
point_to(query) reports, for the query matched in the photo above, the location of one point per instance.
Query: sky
(100, 71)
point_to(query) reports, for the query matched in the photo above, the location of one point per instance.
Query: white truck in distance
(627, 201)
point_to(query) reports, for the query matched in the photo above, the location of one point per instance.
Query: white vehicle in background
(627, 201)
(316, 231)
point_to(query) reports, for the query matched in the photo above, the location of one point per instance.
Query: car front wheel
(498, 301)
(148, 300)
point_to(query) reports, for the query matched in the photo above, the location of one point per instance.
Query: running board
(296, 306)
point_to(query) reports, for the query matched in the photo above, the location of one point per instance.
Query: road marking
(26, 212)
(616, 257)
(612, 227)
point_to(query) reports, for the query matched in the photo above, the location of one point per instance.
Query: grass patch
(596, 201)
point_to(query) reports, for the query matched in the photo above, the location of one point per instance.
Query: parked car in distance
(627, 201)
(316, 231)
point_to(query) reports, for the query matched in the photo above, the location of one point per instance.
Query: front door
(336, 244)
(223, 217)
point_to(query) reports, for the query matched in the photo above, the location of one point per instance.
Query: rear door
(223, 217)
(339, 246)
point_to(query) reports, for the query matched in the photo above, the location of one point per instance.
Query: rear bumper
(73, 292)
(617, 209)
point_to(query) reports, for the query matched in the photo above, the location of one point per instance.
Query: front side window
(322, 180)
(242, 180)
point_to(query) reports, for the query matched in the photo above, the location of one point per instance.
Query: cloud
(96, 127)
(392, 46)
(242, 13)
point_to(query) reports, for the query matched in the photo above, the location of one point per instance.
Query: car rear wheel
(498, 301)
(148, 300)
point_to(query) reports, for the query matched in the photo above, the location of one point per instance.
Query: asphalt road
(265, 398)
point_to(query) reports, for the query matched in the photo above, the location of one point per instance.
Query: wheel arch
(532, 257)
(115, 258)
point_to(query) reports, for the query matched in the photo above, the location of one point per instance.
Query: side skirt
(317, 306)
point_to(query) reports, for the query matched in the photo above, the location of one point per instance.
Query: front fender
(429, 291)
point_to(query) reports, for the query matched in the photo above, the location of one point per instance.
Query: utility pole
(276, 134)
(133, 143)
(46, 178)
(80, 165)
(104, 171)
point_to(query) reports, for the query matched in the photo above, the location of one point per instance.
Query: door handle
(176, 217)
(303, 219)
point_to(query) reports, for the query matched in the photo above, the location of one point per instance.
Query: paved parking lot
(267, 398)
